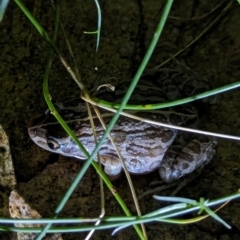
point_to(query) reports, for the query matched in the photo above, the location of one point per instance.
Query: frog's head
(48, 134)
(49, 137)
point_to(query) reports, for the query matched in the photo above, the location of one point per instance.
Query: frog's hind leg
(175, 165)
(195, 154)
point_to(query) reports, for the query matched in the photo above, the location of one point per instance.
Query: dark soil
(127, 29)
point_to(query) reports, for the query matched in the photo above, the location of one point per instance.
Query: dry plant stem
(93, 230)
(124, 168)
(73, 75)
(68, 45)
(77, 76)
(167, 125)
(199, 17)
(195, 40)
(102, 214)
(225, 136)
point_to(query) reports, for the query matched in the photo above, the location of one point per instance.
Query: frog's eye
(53, 144)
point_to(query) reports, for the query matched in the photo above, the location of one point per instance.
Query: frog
(144, 147)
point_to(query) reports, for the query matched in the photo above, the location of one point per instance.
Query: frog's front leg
(193, 155)
(112, 166)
